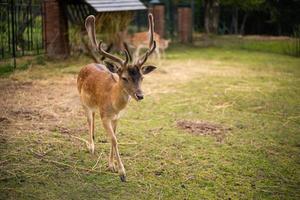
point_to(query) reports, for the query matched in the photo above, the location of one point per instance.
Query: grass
(278, 45)
(23, 63)
(255, 93)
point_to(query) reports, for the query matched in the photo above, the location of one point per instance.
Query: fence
(20, 28)
(170, 15)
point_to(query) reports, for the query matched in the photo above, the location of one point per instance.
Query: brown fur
(96, 85)
(140, 41)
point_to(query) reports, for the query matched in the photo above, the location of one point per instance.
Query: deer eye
(124, 79)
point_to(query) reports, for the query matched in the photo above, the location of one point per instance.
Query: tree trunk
(212, 13)
(235, 19)
(234, 27)
(242, 29)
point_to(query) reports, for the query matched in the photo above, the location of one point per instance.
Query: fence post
(185, 24)
(158, 11)
(12, 7)
(56, 29)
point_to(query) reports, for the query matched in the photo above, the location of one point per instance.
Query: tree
(246, 6)
(211, 16)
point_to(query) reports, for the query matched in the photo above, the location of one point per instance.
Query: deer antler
(128, 51)
(112, 57)
(152, 43)
(90, 28)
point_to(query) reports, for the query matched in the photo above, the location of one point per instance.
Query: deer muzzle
(139, 95)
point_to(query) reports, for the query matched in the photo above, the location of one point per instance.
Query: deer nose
(139, 96)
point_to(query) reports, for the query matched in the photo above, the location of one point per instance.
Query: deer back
(99, 88)
(141, 38)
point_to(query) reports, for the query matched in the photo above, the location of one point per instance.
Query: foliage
(111, 23)
(109, 26)
(40, 60)
(245, 5)
(6, 69)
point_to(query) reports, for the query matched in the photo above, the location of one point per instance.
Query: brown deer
(139, 41)
(110, 92)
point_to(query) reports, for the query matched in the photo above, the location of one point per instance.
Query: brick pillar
(158, 11)
(55, 22)
(185, 24)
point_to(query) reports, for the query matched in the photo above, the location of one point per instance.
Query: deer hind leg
(157, 53)
(91, 123)
(163, 54)
(108, 126)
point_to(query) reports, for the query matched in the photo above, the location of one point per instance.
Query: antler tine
(110, 56)
(151, 28)
(128, 51)
(90, 28)
(127, 57)
(148, 53)
(152, 43)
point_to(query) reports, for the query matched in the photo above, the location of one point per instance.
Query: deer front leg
(107, 124)
(111, 164)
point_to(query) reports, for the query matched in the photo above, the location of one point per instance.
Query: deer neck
(120, 97)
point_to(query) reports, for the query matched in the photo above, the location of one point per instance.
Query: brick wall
(185, 24)
(158, 11)
(55, 23)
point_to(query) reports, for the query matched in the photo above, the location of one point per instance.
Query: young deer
(110, 92)
(139, 41)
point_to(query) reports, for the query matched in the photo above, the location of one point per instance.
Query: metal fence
(20, 28)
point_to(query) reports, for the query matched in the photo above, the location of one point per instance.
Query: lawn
(255, 95)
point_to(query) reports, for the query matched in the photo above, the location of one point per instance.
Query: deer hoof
(123, 178)
(92, 148)
(112, 168)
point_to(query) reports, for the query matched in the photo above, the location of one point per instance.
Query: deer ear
(111, 67)
(147, 69)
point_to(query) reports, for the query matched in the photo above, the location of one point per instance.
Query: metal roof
(116, 5)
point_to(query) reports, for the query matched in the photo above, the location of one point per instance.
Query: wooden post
(55, 22)
(185, 24)
(158, 11)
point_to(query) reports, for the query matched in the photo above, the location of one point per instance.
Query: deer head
(130, 73)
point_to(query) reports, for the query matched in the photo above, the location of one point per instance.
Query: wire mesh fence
(21, 30)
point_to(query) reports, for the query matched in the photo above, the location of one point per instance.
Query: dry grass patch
(203, 128)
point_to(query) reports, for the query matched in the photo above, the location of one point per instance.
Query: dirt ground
(45, 105)
(39, 106)
(203, 128)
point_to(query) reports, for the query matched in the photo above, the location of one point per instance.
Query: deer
(100, 89)
(139, 41)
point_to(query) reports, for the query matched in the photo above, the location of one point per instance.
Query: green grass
(8, 68)
(22, 63)
(283, 45)
(255, 93)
